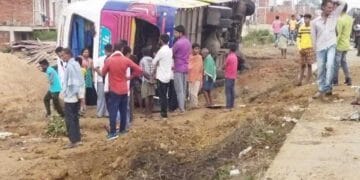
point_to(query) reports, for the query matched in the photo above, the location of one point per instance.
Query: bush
(45, 35)
(56, 127)
(260, 36)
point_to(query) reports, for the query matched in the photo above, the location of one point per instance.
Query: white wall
(60, 5)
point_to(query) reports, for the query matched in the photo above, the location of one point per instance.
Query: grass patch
(257, 37)
(56, 127)
(45, 35)
(222, 173)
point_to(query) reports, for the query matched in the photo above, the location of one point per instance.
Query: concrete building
(19, 18)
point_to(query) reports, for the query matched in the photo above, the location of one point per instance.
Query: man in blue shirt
(54, 89)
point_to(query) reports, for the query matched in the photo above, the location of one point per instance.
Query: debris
(4, 135)
(59, 174)
(355, 116)
(242, 106)
(267, 147)
(234, 172)
(325, 134)
(330, 129)
(295, 109)
(23, 132)
(338, 100)
(34, 51)
(54, 157)
(289, 119)
(270, 132)
(283, 125)
(171, 152)
(245, 151)
(117, 163)
(163, 146)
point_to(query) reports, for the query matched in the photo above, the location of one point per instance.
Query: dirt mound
(22, 87)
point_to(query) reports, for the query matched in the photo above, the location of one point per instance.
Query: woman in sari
(87, 63)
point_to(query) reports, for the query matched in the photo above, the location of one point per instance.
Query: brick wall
(16, 12)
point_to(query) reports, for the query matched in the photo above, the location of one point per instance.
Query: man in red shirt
(230, 67)
(116, 66)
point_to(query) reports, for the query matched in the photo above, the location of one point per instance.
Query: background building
(20, 18)
(267, 10)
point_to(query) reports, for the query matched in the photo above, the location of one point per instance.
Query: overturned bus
(95, 23)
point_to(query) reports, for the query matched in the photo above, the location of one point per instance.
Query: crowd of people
(324, 40)
(173, 74)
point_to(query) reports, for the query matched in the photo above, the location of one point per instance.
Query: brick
(4, 37)
(16, 12)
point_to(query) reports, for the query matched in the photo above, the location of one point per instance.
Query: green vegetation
(222, 173)
(45, 35)
(56, 127)
(257, 37)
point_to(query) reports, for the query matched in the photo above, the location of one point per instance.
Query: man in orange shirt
(196, 71)
(116, 66)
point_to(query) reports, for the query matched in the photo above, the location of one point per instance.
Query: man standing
(196, 72)
(324, 39)
(343, 29)
(163, 63)
(73, 81)
(60, 64)
(148, 80)
(181, 53)
(54, 89)
(116, 66)
(230, 68)
(276, 26)
(209, 76)
(292, 26)
(357, 33)
(101, 109)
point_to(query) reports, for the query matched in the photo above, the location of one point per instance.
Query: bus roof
(181, 4)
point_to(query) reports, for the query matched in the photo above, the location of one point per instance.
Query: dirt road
(202, 144)
(321, 146)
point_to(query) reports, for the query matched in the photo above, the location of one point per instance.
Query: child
(195, 74)
(230, 68)
(283, 40)
(148, 80)
(209, 76)
(304, 43)
(82, 90)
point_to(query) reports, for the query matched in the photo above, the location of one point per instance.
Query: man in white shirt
(324, 39)
(60, 64)
(73, 81)
(163, 63)
(101, 109)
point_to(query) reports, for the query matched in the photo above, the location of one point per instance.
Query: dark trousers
(163, 89)
(172, 101)
(55, 98)
(72, 121)
(230, 92)
(357, 41)
(117, 103)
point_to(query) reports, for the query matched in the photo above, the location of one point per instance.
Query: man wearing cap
(181, 53)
